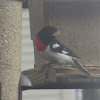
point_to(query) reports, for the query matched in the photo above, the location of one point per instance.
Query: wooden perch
(62, 78)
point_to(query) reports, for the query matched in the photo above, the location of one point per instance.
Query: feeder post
(36, 12)
(10, 48)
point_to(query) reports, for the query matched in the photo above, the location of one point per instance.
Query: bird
(52, 50)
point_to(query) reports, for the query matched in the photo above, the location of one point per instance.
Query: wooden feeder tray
(63, 78)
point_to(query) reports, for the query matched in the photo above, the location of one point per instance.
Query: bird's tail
(82, 69)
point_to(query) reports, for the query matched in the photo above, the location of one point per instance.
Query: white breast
(56, 58)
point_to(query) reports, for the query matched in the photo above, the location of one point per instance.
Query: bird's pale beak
(56, 34)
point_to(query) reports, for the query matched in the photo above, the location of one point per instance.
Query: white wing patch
(64, 52)
(56, 45)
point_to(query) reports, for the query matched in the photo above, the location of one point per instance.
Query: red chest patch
(39, 45)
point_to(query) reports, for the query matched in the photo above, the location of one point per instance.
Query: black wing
(56, 46)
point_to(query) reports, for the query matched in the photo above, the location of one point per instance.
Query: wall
(79, 24)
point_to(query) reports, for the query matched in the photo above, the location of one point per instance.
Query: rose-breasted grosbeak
(54, 51)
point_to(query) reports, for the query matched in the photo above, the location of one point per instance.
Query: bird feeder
(79, 24)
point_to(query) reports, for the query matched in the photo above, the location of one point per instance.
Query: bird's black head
(47, 34)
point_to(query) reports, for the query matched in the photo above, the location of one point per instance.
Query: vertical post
(36, 12)
(91, 94)
(10, 48)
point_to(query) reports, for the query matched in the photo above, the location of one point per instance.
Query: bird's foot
(49, 65)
